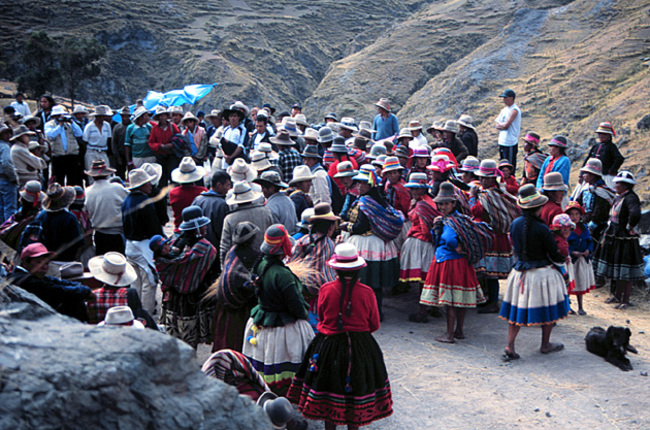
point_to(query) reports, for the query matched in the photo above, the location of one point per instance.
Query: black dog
(611, 345)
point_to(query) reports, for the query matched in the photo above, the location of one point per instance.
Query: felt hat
(271, 177)
(301, 173)
(289, 124)
(311, 151)
(487, 169)
(553, 181)
(301, 119)
(259, 161)
(57, 197)
(606, 128)
(338, 145)
(402, 151)
(311, 133)
(268, 107)
(405, 133)
(214, 113)
(506, 163)
(244, 231)
(593, 166)
(332, 115)
(176, 110)
(278, 409)
(532, 138)
(125, 110)
(345, 169)
(346, 258)
(561, 221)
(74, 271)
(189, 116)
(361, 143)
(155, 170)
(137, 178)
(323, 211)
(32, 193)
(120, 316)
(325, 134)
(159, 111)
(379, 161)
(383, 103)
(376, 150)
(529, 198)
(21, 130)
(187, 172)
(364, 133)
(81, 109)
(239, 108)
(240, 170)
(450, 126)
(574, 205)
(30, 118)
(283, 138)
(415, 125)
(193, 218)
(242, 193)
(277, 241)
(625, 176)
(436, 126)
(34, 250)
(470, 164)
(559, 141)
(446, 193)
(267, 149)
(466, 121)
(417, 180)
(348, 124)
(420, 153)
(58, 110)
(139, 112)
(508, 93)
(440, 163)
(367, 127)
(34, 145)
(304, 218)
(99, 168)
(101, 110)
(112, 269)
(390, 164)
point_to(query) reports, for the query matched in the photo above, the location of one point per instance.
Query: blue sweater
(580, 243)
(562, 165)
(446, 246)
(385, 127)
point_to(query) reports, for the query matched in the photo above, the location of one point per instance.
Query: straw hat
(259, 161)
(466, 121)
(267, 149)
(301, 119)
(345, 169)
(311, 133)
(390, 164)
(58, 198)
(470, 164)
(529, 198)
(625, 176)
(99, 168)
(325, 134)
(21, 130)
(415, 125)
(112, 269)
(383, 103)
(606, 128)
(271, 177)
(193, 219)
(283, 138)
(487, 169)
(139, 112)
(417, 180)
(120, 316)
(240, 170)
(304, 218)
(346, 258)
(446, 193)
(593, 166)
(553, 181)
(188, 172)
(101, 110)
(32, 193)
(159, 111)
(153, 169)
(301, 173)
(244, 231)
(561, 221)
(243, 193)
(137, 178)
(289, 124)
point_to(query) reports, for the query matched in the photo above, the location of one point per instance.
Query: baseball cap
(508, 93)
(34, 250)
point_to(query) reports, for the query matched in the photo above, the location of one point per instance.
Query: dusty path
(467, 386)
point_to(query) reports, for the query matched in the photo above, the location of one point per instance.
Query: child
(580, 246)
(512, 186)
(562, 227)
(162, 247)
(342, 379)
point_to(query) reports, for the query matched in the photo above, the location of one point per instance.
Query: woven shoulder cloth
(536, 159)
(385, 222)
(233, 287)
(603, 192)
(501, 207)
(185, 273)
(426, 213)
(475, 238)
(234, 369)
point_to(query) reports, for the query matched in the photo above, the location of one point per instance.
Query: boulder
(644, 123)
(56, 372)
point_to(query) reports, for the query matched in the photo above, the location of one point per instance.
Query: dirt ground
(467, 386)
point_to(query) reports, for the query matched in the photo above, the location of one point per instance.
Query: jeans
(8, 198)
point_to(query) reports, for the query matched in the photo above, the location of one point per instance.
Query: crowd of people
(283, 236)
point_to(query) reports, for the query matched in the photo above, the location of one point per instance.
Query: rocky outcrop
(58, 373)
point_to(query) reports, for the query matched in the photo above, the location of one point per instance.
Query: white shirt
(419, 142)
(96, 139)
(21, 108)
(509, 136)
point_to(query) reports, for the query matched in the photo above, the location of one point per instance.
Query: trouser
(145, 288)
(139, 161)
(8, 198)
(510, 154)
(67, 167)
(105, 242)
(168, 162)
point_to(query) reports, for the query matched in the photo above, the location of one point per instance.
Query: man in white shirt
(97, 134)
(419, 141)
(20, 105)
(509, 125)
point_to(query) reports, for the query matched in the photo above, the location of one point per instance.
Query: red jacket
(549, 210)
(364, 314)
(401, 199)
(182, 197)
(159, 137)
(512, 186)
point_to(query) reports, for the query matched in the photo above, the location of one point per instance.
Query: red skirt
(451, 283)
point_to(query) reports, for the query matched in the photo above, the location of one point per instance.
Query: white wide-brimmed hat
(58, 110)
(187, 172)
(139, 112)
(301, 173)
(153, 169)
(625, 176)
(101, 110)
(241, 171)
(346, 258)
(137, 178)
(112, 269)
(260, 161)
(120, 316)
(243, 193)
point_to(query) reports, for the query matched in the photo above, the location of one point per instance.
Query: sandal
(582, 312)
(622, 306)
(612, 300)
(510, 356)
(571, 312)
(553, 347)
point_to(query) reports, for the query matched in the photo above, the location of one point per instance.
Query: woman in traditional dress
(618, 256)
(557, 161)
(184, 315)
(536, 293)
(342, 379)
(313, 251)
(372, 226)
(233, 291)
(277, 333)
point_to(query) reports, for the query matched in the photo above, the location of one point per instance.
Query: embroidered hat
(553, 181)
(446, 193)
(417, 180)
(34, 250)
(470, 164)
(58, 198)
(271, 177)
(559, 141)
(606, 128)
(391, 163)
(466, 121)
(625, 176)
(120, 316)
(593, 166)
(277, 241)
(529, 198)
(32, 193)
(304, 218)
(384, 103)
(323, 211)
(344, 169)
(112, 269)
(574, 205)
(440, 163)
(193, 218)
(346, 258)
(244, 231)
(137, 178)
(99, 168)
(242, 193)
(301, 173)
(368, 175)
(420, 153)
(443, 150)
(240, 170)
(187, 172)
(561, 221)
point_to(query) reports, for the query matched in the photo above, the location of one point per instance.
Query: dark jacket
(470, 140)
(457, 147)
(61, 233)
(533, 243)
(609, 155)
(139, 222)
(628, 207)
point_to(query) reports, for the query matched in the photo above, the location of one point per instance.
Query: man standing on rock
(385, 122)
(509, 125)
